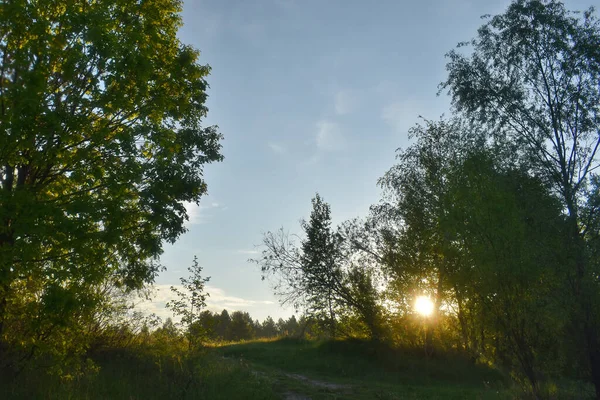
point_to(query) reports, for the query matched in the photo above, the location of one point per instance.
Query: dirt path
(295, 396)
(311, 383)
(318, 384)
(280, 377)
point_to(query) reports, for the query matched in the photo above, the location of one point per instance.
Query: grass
(368, 371)
(132, 374)
(374, 371)
(276, 369)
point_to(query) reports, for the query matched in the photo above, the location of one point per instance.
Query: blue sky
(311, 96)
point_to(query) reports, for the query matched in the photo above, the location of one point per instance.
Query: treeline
(239, 325)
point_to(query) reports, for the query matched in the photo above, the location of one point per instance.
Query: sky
(311, 96)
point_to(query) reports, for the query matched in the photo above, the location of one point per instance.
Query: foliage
(512, 230)
(146, 371)
(321, 272)
(191, 299)
(485, 240)
(101, 145)
(532, 79)
(321, 276)
(241, 327)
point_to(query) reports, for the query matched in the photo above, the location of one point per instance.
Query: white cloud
(197, 213)
(276, 148)
(219, 300)
(345, 102)
(248, 252)
(329, 137)
(194, 213)
(401, 115)
(216, 302)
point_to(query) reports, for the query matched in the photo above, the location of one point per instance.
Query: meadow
(282, 368)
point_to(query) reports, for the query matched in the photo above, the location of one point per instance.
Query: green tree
(419, 256)
(321, 270)
(241, 327)
(206, 326)
(511, 235)
(307, 275)
(290, 327)
(483, 238)
(269, 328)
(532, 78)
(168, 329)
(223, 321)
(191, 300)
(101, 144)
(318, 276)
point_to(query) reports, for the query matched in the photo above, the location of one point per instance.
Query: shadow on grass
(361, 360)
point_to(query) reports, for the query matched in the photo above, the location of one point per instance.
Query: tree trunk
(590, 328)
(594, 358)
(332, 321)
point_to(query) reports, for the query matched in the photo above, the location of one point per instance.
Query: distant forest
(239, 325)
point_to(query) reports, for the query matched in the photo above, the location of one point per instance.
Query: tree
(321, 272)
(191, 300)
(306, 274)
(241, 327)
(223, 322)
(532, 78)
(168, 329)
(288, 327)
(418, 255)
(101, 144)
(318, 276)
(510, 234)
(206, 326)
(482, 237)
(269, 328)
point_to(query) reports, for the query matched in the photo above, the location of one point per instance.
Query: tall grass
(142, 373)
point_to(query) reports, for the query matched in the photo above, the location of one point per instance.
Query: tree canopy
(101, 145)
(532, 81)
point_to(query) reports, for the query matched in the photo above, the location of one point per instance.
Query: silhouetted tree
(223, 322)
(241, 327)
(532, 79)
(268, 328)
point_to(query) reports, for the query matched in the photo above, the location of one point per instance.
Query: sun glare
(424, 306)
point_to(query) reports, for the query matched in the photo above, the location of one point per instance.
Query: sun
(424, 306)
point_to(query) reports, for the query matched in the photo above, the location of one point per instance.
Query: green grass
(277, 369)
(369, 371)
(132, 375)
(375, 371)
